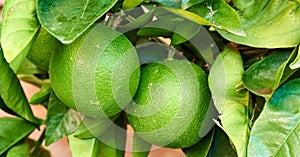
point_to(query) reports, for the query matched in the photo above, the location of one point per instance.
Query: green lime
(170, 104)
(97, 73)
(42, 48)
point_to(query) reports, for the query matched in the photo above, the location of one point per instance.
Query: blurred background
(60, 148)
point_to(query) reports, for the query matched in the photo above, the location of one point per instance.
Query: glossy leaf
(20, 150)
(221, 146)
(41, 96)
(181, 34)
(201, 149)
(215, 12)
(231, 98)
(178, 3)
(68, 19)
(114, 140)
(5, 108)
(93, 127)
(60, 121)
(276, 132)
(29, 68)
(267, 23)
(140, 148)
(264, 77)
(151, 52)
(18, 29)
(12, 93)
(84, 147)
(13, 130)
(128, 4)
(296, 63)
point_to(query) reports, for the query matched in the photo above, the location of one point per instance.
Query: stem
(39, 142)
(33, 79)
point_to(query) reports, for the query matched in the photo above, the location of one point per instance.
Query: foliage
(254, 80)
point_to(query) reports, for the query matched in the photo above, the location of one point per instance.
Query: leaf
(12, 93)
(201, 149)
(296, 63)
(18, 30)
(265, 76)
(231, 98)
(128, 4)
(276, 132)
(13, 130)
(114, 140)
(41, 96)
(140, 148)
(94, 126)
(268, 24)
(221, 146)
(220, 15)
(29, 68)
(20, 150)
(84, 147)
(151, 52)
(5, 108)
(68, 19)
(169, 3)
(60, 121)
(181, 34)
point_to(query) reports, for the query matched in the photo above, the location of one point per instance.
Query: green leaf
(221, 146)
(68, 19)
(12, 93)
(128, 4)
(268, 23)
(41, 96)
(93, 126)
(181, 34)
(84, 147)
(151, 52)
(140, 148)
(18, 29)
(296, 63)
(169, 3)
(60, 121)
(265, 76)
(220, 14)
(114, 140)
(5, 108)
(231, 98)
(201, 149)
(29, 68)
(276, 132)
(13, 130)
(20, 150)
(184, 4)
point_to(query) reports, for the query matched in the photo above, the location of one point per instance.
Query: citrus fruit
(170, 104)
(98, 73)
(42, 48)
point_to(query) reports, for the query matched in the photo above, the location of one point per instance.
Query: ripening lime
(170, 104)
(97, 73)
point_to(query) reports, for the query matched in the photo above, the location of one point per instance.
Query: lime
(98, 73)
(170, 104)
(42, 48)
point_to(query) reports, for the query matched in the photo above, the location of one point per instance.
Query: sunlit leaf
(68, 19)
(201, 149)
(18, 29)
(13, 130)
(231, 98)
(12, 93)
(41, 96)
(265, 76)
(220, 15)
(268, 23)
(276, 132)
(61, 120)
